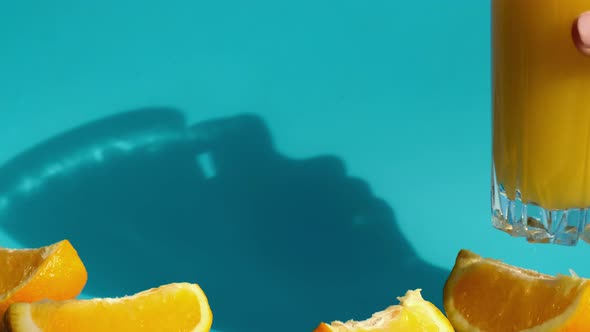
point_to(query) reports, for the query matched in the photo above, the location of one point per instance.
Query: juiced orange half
(413, 314)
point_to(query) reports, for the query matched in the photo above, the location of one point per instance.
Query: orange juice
(541, 101)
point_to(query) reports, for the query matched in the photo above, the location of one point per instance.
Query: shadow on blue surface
(273, 241)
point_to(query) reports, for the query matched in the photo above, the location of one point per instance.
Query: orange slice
(53, 272)
(178, 307)
(413, 314)
(488, 295)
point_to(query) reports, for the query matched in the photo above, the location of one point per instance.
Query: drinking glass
(541, 122)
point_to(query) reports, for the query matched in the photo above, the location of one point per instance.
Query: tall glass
(541, 122)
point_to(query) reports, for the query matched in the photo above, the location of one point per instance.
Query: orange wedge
(488, 295)
(53, 272)
(178, 307)
(413, 314)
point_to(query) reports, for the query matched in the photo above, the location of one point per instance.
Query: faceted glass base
(536, 224)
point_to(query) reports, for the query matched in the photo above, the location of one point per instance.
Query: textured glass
(541, 121)
(537, 224)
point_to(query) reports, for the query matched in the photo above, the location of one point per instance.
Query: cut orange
(487, 295)
(53, 272)
(413, 314)
(178, 307)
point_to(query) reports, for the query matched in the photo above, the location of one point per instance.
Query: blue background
(397, 92)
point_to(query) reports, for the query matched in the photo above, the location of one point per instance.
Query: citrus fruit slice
(413, 314)
(484, 295)
(52, 272)
(178, 307)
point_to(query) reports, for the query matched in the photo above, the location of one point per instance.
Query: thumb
(581, 33)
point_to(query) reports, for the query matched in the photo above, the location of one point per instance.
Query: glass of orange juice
(541, 122)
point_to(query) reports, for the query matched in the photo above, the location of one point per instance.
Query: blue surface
(396, 93)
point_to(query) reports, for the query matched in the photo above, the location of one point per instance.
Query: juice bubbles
(541, 120)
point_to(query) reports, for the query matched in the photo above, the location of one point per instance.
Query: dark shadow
(276, 243)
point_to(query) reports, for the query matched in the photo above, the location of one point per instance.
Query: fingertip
(581, 32)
